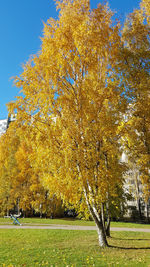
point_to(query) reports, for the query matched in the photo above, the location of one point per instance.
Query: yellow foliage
(72, 107)
(136, 65)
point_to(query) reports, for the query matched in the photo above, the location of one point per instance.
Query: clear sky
(21, 26)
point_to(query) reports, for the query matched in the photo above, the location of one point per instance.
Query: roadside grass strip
(54, 248)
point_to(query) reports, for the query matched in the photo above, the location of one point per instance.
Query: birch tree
(136, 68)
(72, 96)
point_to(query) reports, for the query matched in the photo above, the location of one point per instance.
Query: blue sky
(21, 26)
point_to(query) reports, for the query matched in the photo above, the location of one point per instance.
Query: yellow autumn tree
(20, 184)
(8, 169)
(136, 68)
(33, 196)
(73, 98)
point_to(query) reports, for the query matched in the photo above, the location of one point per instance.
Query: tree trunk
(18, 208)
(103, 215)
(97, 219)
(101, 234)
(99, 224)
(7, 212)
(138, 193)
(107, 227)
(147, 212)
(105, 220)
(139, 208)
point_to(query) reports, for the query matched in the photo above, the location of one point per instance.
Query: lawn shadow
(117, 238)
(129, 248)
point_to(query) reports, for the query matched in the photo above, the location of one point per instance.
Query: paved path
(70, 227)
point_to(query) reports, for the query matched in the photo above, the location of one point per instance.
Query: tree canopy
(75, 94)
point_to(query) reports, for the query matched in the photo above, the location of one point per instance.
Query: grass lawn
(72, 222)
(52, 248)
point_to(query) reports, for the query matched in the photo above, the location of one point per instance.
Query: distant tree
(7, 163)
(20, 184)
(136, 75)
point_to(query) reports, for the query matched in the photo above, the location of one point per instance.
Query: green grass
(64, 221)
(72, 222)
(130, 225)
(29, 248)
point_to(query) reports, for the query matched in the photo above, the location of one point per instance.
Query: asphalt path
(70, 227)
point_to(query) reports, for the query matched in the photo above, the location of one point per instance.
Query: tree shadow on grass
(129, 248)
(133, 239)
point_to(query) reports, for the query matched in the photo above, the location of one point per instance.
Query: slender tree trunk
(107, 227)
(139, 208)
(138, 194)
(18, 208)
(105, 219)
(7, 207)
(99, 223)
(101, 234)
(40, 210)
(100, 229)
(103, 215)
(7, 212)
(147, 212)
